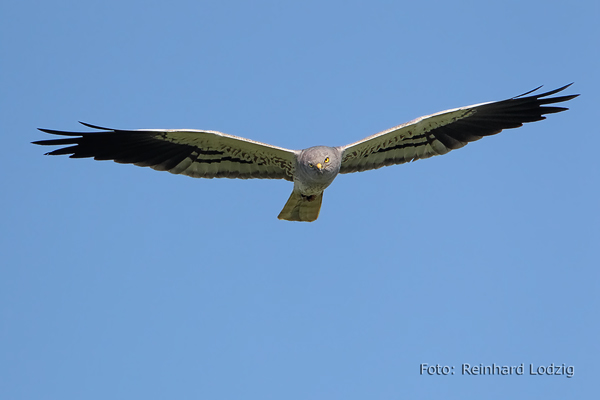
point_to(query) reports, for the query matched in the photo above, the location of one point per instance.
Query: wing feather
(448, 130)
(196, 153)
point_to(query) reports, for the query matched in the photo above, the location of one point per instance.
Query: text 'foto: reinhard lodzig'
(501, 370)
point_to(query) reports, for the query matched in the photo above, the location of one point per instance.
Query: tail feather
(301, 208)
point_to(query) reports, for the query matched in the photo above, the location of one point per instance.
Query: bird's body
(211, 154)
(315, 169)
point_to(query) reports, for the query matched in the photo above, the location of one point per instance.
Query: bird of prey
(211, 154)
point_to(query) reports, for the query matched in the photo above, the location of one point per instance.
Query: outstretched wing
(195, 153)
(439, 133)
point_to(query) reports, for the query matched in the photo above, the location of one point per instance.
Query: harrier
(211, 154)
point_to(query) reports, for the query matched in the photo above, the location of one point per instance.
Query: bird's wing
(439, 133)
(196, 153)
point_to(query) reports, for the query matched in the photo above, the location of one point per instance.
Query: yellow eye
(310, 165)
(327, 159)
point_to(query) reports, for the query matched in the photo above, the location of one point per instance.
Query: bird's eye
(310, 165)
(326, 159)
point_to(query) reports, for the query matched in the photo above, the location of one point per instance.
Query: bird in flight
(211, 154)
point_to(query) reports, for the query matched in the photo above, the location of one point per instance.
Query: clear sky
(120, 282)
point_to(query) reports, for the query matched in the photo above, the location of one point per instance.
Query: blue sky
(122, 282)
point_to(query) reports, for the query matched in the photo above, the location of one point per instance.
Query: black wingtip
(550, 93)
(56, 132)
(560, 89)
(531, 91)
(67, 133)
(51, 131)
(95, 126)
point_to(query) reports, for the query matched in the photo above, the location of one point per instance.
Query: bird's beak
(319, 166)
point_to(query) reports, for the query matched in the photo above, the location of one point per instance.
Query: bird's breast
(313, 184)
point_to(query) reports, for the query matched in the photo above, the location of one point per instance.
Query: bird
(212, 154)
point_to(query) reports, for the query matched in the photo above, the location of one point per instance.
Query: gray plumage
(211, 154)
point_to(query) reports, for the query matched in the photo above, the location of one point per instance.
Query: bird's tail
(302, 208)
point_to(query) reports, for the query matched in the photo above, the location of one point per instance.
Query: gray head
(318, 165)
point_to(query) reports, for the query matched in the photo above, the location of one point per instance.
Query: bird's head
(320, 163)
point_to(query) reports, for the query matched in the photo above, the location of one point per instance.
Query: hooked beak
(320, 166)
